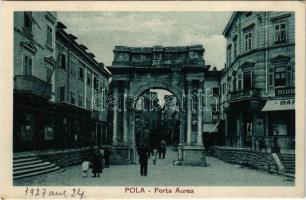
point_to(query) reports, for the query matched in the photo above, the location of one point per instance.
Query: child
(85, 168)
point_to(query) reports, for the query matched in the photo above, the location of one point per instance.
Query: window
(224, 88)
(216, 91)
(27, 65)
(247, 80)
(280, 33)
(81, 73)
(239, 81)
(62, 93)
(28, 21)
(96, 83)
(49, 36)
(229, 52)
(248, 39)
(229, 86)
(72, 98)
(49, 133)
(88, 78)
(280, 76)
(235, 47)
(48, 75)
(63, 61)
(80, 100)
(72, 67)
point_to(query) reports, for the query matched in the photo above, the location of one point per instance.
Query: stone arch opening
(177, 69)
(157, 117)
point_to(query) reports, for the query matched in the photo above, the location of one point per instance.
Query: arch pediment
(247, 64)
(280, 58)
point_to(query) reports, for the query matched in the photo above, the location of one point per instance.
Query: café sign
(289, 91)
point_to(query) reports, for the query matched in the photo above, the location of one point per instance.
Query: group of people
(99, 159)
(145, 153)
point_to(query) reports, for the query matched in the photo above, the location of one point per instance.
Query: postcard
(176, 99)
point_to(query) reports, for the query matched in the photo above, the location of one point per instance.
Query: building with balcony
(59, 87)
(34, 53)
(258, 82)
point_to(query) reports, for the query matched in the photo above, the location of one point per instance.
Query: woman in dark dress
(96, 165)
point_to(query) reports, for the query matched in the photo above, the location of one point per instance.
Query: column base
(191, 156)
(123, 155)
(133, 155)
(120, 155)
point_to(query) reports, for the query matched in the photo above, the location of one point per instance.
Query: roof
(70, 39)
(229, 23)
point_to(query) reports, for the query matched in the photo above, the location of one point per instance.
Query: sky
(102, 31)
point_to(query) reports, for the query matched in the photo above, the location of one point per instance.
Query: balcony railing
(32, 85)
(244, 94)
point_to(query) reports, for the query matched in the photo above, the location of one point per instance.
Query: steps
(31, 166)
(288, 161)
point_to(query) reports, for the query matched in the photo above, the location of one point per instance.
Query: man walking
(163, 147)
(143, 161)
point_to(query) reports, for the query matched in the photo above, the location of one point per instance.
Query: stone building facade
(81, 86)
(34, 52)
(258, 82)
(51, 107)
(180, 70)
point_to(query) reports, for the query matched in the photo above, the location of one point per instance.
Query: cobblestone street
(218, 173)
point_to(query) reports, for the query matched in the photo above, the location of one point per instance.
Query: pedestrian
(154, 156)
(107, 154)
(85, 167)
(101, 152)
(96, 164)
(163, 148)
(143, 161)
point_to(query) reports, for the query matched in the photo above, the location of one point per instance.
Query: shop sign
(287, 102)
(285, 91)
(283, 104)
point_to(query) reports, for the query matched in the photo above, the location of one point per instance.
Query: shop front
(280, 117)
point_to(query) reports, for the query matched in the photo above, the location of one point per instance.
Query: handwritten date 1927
(47, 193)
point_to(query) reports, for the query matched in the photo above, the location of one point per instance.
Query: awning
(280, 104)
(210, 128)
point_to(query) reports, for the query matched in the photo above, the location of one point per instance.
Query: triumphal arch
(179, 70)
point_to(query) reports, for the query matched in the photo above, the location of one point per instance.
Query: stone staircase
(288, 160)
(31, 166)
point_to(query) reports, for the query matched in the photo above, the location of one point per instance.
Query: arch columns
(193, 152)
(122, 151)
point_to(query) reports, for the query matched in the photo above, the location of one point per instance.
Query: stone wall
(66, 157)
(246, 157)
